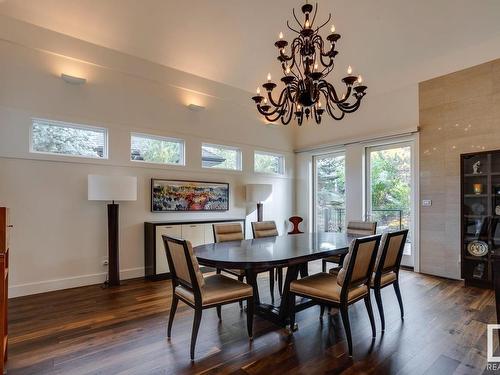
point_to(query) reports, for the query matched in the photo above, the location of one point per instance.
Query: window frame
(267, 153)
(182, 162)
(239, 157)
(64, 124)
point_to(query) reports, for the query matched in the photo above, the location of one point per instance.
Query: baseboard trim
(69, 282)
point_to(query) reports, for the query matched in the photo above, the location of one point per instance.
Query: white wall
(59, 238)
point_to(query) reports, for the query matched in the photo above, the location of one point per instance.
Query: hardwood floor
(91, 330)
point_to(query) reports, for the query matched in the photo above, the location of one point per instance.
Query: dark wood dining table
(258, 255)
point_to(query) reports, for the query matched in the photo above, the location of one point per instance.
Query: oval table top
(273, 251)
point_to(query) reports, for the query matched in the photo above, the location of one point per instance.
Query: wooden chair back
(364, 228)
(262, 229)
(228, 232)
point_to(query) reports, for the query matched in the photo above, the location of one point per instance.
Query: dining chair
(262, 229)
(362, 228)
(386, 271)
(227, 233)
(200, 292)
(351, 285)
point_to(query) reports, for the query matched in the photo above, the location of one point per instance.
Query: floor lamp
(258, 193)
(112, 188)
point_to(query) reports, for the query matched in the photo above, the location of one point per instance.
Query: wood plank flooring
(91, 330)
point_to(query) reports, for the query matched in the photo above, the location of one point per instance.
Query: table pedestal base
(279, 315)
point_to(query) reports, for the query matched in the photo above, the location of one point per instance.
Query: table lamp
(258, 193)
(112, 188)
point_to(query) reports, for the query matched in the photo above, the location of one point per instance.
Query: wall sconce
(195, 107)
(72, 80)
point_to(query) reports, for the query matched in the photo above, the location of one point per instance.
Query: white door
(390, 189)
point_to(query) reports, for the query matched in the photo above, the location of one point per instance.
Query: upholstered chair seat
(217, 289)
(324, 285)
(386, 279)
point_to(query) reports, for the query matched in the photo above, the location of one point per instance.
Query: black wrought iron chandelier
(306, 92)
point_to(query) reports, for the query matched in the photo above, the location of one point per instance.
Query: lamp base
(260, 211)
(113, 246)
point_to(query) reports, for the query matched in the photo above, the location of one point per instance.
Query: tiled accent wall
(459, 113)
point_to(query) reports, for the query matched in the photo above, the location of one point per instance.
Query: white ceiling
(393, 43)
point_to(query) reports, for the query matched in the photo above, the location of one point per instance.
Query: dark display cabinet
(480, 215)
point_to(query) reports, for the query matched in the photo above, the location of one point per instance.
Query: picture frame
(188, 196)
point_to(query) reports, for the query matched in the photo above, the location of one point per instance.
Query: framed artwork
(180, 195)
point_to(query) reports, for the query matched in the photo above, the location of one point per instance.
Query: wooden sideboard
(4, 283)
(199, 232)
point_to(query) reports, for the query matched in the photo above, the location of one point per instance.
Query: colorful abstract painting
(175, 195)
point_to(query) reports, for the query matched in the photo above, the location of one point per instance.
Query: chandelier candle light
(306, 91)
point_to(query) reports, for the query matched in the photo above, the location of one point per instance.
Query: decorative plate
(477, 248)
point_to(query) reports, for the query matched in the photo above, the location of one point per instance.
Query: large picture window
(155, 149)
(62, 138)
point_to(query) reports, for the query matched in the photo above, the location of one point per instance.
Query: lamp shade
(258, 192)
(112, 188)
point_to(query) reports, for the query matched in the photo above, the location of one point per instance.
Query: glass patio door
(390, 191)
(329, 192)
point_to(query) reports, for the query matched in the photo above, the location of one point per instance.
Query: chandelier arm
(317, 116)
(286, 120)
(272, 119)
(270, 113)
(351, 108)
(332, 93)
(296, 19)
(276, 104)
(326, 65)
(290, 90)
(291, 28)
(328, 20)
(335, 97)
(330, 111)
